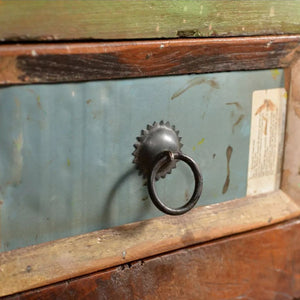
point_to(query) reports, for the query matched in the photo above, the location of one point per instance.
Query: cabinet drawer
(66, 154)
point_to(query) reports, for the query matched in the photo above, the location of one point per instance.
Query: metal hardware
(156, 139)
(156, 154)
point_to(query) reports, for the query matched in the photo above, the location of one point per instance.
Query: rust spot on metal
(229, 151)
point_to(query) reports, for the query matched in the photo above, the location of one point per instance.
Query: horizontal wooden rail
(51, 262)
(65, 62)
(139, 19)
(267, 259)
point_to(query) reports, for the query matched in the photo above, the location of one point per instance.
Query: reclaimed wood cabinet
(80, 80)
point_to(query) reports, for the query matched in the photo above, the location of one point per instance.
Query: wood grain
(38, 265)
(139, 19)
(262, 265)
(291, 166)
(30, 63)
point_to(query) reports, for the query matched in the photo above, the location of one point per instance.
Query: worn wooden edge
(138, 19)
(51, 262)
(70, 62)
(291, 165)
(266, 258)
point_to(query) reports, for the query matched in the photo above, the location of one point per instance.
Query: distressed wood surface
(291, 166)
(139, 19)
(30, 63)
(43, 264)
(262, 264)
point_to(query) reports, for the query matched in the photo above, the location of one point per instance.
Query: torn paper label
(266, 140)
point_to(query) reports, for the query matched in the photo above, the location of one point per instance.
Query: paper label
(266, 140)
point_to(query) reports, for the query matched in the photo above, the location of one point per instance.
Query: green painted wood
(135, 19)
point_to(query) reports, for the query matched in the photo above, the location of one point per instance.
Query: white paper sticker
(266, 140)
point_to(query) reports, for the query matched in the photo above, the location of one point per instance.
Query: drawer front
(66, 149)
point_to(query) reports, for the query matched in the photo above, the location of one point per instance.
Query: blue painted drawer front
(66, 164)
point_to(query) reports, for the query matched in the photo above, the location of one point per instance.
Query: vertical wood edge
(291, 166)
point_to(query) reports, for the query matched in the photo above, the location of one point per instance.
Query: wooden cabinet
(70, 112)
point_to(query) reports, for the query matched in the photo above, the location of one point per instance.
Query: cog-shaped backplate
(157, 138)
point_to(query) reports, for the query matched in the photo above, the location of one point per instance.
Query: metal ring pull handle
(162, 160)
(156, 153)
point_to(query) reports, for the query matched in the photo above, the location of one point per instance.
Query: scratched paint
(194, 82)
(229, 151)
(65, 149)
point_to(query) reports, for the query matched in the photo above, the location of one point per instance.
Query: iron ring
(161, 160)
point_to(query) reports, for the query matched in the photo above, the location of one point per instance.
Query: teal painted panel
(65, 149)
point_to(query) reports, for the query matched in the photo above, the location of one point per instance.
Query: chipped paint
(96, 114)
(17, 166)
(238, 121)
(38, 99)
(201, 10)
(194, 82)
(238, 105)
(18, 104)
(88, 101)
(275, 73)
(229, 151)
(201, 142)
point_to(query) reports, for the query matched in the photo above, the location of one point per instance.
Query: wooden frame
(260, 264)
(27, 268)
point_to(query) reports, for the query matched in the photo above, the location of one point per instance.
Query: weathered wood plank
(139, 19)
(64, 62)
(263, 264)
(38, 265)
(291, 166)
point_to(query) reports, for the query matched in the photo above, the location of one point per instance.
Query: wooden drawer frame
(51, 262)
